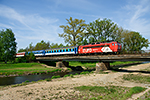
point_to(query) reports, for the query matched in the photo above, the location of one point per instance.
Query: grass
(24, 68)
(147, 69)
(85, 64)
(85, 72)
(107, 92)
(82, 73)
(137, 78)
(146, 96)
(93, 64)
(122, 62)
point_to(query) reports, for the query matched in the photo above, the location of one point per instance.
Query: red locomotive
(103, 47)
(113, 47)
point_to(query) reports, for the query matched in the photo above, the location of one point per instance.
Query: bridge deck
(103, 58)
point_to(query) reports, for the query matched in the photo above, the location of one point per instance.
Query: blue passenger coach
(38, 53)
(61, 51)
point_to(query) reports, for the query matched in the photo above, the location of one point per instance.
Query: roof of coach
(70, 47)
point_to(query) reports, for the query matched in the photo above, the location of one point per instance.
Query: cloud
(29, 28)
(74, 4)
(136, 17)
(75, 8)
(10, 13)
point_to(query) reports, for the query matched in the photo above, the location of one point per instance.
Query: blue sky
(36, 20)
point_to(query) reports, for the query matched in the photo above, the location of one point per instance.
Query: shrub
(66, 75)
(85, 72)
(30, 57)
(20, 59)
(71, 75)
(26, 81)
(136, 89)
(48, 79)
(58, 76)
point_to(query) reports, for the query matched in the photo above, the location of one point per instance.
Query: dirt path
(64, 86)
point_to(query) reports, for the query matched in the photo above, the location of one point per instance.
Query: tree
(8, 45)
(30, 57)
(31, 47)
(42, 45)
(22, 50)
(39, 46)
(102, 30)
(118, 36)
(133, 41)
(56, 45)
(74, 31)
(0, 47)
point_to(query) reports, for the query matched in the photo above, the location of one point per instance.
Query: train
(112, 47)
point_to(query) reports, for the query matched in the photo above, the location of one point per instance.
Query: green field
(93, 64)
(24, 68)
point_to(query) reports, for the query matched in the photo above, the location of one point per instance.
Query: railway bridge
(104, 60)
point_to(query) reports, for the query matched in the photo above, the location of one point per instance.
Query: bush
(66, 75)
(136, 89)
(26, 81)
(58, 76)
(30, 57)
(85, 72)
(71, 75)
(20, 59)
(48, 79)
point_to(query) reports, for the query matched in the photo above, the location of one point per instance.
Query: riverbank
(70, 87)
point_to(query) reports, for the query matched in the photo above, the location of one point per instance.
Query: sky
(36, 20)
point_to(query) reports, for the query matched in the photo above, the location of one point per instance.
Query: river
(30, 78)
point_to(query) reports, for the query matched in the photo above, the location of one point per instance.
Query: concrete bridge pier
(102, 66)
(60, 64)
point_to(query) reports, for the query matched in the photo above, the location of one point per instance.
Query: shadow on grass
(126, 65)
(128, 71)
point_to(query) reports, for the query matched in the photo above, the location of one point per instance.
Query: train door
(75, 49)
